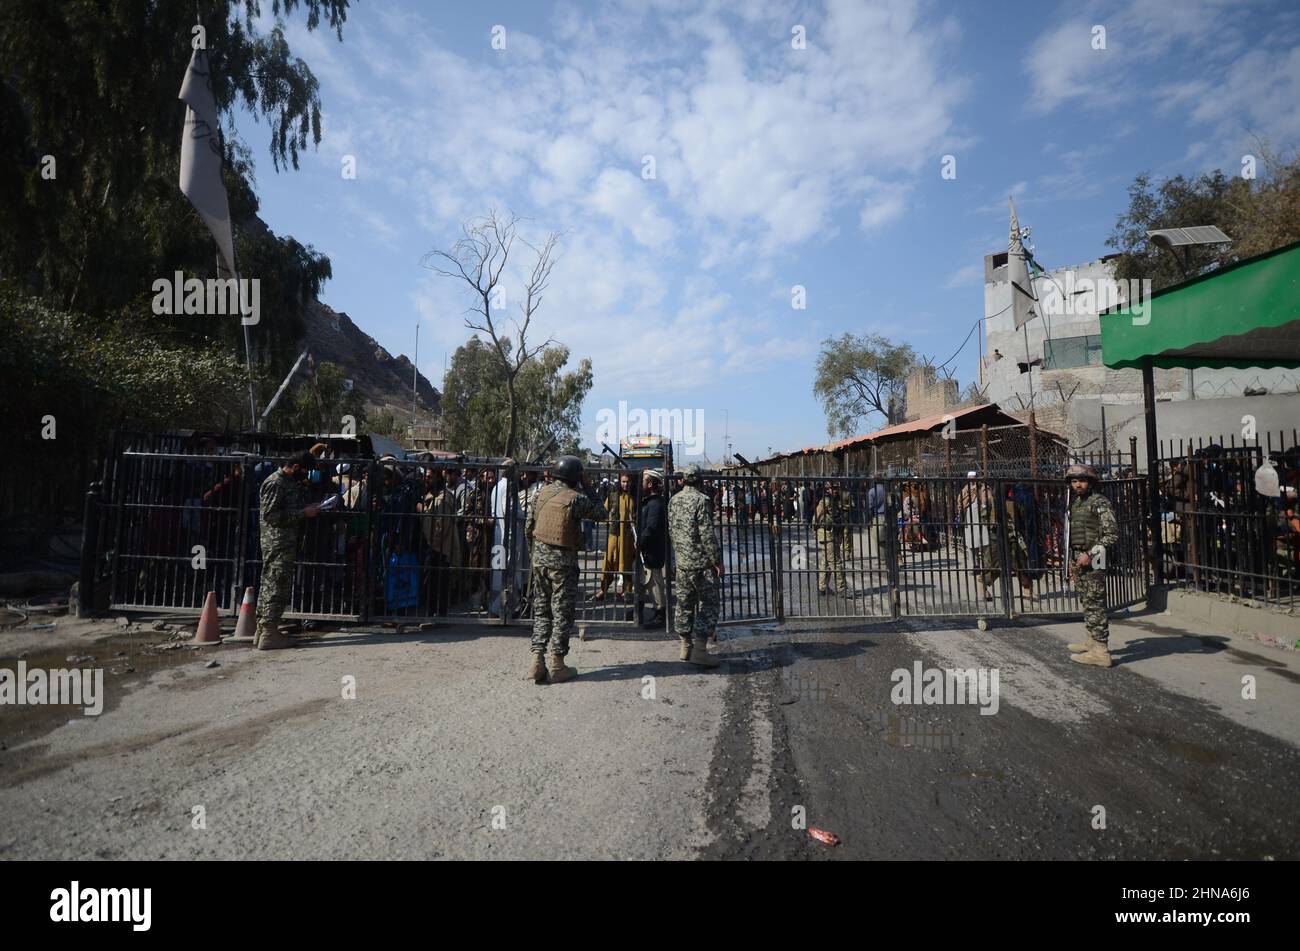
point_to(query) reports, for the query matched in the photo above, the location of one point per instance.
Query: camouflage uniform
(831, 521)
(696, 551)
(281, 508)
(555, 574)
(1092, 522)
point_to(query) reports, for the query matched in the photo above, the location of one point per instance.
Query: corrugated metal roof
(924, 424)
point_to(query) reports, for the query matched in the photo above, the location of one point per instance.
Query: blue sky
(774, 167)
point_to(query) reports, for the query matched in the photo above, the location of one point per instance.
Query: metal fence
(917, 547)
(1220, 533)
(413, 542)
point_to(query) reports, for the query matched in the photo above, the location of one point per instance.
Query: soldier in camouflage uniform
(1092, 524)
(282, 512)
(831, 521)
(698, 558)
(553, 532)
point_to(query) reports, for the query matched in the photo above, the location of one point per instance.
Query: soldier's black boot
(560, 673)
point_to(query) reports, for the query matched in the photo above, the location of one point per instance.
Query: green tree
(1259, 214)
(93, 85)
(548, 401)
(91, 376)
(860, 376)
(321, 397)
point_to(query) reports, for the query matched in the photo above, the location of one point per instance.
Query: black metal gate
(411, 542)
(856, 547)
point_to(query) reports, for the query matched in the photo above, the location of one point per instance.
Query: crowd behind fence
(1230, 515)
(419, 540)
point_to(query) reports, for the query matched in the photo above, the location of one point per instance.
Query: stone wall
(927, 395)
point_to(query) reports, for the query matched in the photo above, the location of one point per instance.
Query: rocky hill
(383, 379)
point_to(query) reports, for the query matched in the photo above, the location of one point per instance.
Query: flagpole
(1029, 367)
(248, 349)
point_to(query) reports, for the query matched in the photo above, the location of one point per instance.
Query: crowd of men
(442, 532)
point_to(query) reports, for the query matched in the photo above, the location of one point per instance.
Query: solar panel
(1180, 237)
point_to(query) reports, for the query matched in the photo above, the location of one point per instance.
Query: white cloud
(965, 276)
(1065, 68)
(757, 149)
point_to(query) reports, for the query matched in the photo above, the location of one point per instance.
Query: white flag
(201, 157)
(1023, 300)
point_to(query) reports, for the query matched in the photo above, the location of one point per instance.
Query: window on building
(1062, 353)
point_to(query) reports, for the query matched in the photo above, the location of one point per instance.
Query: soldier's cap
(694, 472)
(1081, 471)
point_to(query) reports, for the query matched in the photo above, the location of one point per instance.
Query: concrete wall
(1068, 401)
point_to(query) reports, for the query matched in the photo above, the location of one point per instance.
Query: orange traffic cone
(246, 626)
(209, 631)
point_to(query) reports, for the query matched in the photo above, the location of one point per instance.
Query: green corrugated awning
(1243, 315)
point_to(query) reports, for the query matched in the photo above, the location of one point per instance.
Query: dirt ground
(443, 750)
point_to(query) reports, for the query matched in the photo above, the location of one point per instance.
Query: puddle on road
(127, 659)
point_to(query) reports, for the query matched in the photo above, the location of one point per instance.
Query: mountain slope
(384, 380)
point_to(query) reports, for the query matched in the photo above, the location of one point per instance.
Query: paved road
(447, 752)
(1182, 764)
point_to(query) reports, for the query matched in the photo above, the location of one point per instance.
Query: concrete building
(1053, 364)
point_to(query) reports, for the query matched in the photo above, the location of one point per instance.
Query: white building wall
(1066, 401)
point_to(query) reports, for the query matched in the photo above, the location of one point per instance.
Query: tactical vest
(1085, 525)
(555, 523)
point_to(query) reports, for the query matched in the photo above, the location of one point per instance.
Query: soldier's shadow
(632, 673)
(343, 637)
(1164, 645)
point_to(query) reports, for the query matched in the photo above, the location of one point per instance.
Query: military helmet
(1081, 471)
(567, 469)
(694, 473)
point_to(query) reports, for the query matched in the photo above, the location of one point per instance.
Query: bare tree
(479, 258)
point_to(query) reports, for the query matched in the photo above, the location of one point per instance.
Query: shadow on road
(1163, 645)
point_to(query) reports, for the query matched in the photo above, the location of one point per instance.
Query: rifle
(747, 464)
(540, 458)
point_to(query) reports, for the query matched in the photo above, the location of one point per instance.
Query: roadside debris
(824, 837)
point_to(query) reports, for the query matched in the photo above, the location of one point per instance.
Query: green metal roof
(1243, 315)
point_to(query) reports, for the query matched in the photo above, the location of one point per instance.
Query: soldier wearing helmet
(699, 568)
(553, 531)
(1093, 529)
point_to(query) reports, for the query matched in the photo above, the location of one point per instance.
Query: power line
(940, 366)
